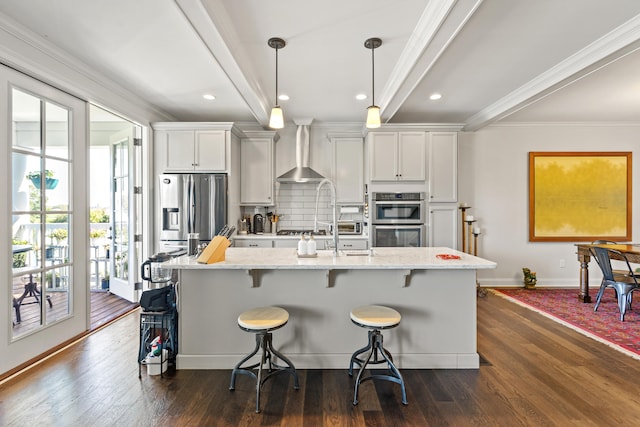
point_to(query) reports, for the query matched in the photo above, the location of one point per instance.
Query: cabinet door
(443, 167)
(256, 168)
(179, 156)
(354, 244)
(253, 243)
(411, 156)
(383, 156)
(443, 226)
(210, 151)
(348, 170)
(286, 243)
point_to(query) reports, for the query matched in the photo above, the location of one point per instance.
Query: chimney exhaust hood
(302, 172)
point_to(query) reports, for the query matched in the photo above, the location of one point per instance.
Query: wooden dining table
(630, 250)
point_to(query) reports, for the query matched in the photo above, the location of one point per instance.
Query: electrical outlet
(562, 263)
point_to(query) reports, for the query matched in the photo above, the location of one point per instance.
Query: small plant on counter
(530, 278)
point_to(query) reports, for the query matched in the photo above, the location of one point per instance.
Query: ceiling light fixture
(435, 96)
(208, 97)
(276, 121)
(373, 111)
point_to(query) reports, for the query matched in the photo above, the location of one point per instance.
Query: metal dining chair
(623, 285)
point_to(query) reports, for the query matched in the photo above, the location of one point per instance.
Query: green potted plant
(530, 278)
(95, 234)
(36, 179)
(59, 234)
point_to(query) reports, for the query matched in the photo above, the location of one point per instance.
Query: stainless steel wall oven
(399, 219)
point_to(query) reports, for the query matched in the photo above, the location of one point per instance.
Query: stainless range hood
(302, 172)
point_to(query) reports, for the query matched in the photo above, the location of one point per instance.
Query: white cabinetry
(352, 244)
(253, 243)
(192, 147)
(443, 225)
(348, 168)
(397, 156)
(443, 167)
(257, 168)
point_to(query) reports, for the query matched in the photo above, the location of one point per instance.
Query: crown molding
(30, 54)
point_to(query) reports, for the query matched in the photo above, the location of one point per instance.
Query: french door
(46, 184)
(126, 216)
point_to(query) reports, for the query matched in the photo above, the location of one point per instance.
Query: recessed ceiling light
(361, 96)
(283, 97)
(208, 97)
(435, 96)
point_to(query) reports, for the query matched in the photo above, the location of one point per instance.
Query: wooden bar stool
(375, 318)
(262, 321)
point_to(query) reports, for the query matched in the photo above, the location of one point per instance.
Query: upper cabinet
(397, 156)
(192, 147)
(257, 167)
(443, 167)
(348, 168)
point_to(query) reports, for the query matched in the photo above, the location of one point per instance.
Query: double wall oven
(398, 219)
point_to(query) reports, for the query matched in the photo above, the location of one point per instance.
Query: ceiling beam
(612, 46)
(214, 27)
(420, 53)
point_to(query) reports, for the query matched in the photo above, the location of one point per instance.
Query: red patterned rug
(604, 325)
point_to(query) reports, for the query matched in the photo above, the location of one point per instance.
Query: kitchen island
(436, 298)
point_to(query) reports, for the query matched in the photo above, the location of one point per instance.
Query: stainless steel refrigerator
(190, 203)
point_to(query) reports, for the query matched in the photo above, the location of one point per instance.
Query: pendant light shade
(276, 120)
(373, 117)
(373, 112)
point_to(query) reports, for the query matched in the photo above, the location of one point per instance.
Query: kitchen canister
(194, 241)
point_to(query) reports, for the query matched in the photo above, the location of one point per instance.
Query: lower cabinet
(443, 225)
(353, 244)
(253, 243)
(285, 243)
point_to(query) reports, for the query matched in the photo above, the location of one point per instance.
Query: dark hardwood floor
(534, 372)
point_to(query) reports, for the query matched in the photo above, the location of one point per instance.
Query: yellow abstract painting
(579, 196)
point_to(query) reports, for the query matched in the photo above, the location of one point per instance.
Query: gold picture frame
(579, 196)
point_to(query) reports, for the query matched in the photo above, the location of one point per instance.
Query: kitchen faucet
(332, 187)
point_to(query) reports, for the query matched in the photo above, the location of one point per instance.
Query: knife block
(215, 250)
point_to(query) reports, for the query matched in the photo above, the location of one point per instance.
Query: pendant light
(276, 121)
(373, 111)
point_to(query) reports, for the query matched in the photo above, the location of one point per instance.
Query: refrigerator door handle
(192, 205)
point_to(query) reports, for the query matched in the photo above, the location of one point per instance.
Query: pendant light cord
(277, 77)
(373, 78)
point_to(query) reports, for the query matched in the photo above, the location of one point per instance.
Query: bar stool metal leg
(376, 350)
(262, 321)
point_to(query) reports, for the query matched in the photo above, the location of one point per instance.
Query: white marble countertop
(381, 258)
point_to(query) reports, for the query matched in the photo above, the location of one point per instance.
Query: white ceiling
(510, 60)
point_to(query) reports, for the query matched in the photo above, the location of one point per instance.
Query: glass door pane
(41, 216)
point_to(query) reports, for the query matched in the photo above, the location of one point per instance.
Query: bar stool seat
(375, 318)
(262, 321)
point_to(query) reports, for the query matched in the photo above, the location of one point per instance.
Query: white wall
(493, 173)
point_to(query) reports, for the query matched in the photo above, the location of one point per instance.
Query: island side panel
(438, 307)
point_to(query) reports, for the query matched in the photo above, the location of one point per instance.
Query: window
(42, 217)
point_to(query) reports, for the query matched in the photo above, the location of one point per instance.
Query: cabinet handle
(347, 246)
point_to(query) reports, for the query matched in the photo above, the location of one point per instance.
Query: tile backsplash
(296, 204)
